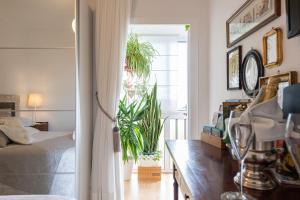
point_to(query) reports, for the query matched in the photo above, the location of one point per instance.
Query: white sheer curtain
(112, 21)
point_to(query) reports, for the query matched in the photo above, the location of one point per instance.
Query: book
(207, 129)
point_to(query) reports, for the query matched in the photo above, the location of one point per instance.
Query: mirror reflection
(251, 73)
(37, 97)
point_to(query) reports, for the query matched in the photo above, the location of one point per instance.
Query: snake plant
(128, 117)
(150, 125)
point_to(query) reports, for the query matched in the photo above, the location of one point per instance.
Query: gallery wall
(37, 54)
(220, 11)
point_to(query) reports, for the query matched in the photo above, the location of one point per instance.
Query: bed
(47, 166)
(34, 197)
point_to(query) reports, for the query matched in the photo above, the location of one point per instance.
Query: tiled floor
(149, 190)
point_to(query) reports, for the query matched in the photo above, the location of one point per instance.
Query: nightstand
(42, 126)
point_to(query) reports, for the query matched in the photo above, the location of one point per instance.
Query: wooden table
(204, 172)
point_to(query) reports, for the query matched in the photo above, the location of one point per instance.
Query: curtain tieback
(116, 130)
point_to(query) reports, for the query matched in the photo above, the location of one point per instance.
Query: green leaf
(151, 125)
(131, 139)
(139, 56)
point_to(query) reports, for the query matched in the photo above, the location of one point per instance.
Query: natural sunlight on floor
(149, 190)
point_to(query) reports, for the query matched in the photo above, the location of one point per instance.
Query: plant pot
(148, 161)
(149, 168)
(128, 170)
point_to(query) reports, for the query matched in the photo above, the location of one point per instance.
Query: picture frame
(230, 106)
(234, 64)
(272, 48)
(250, 17)
(290, 77)
(286, 79)
(293, 18)
(8, 105)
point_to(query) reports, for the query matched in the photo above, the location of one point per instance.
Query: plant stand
(149, 173)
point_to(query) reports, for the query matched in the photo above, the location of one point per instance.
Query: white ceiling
(163, 29)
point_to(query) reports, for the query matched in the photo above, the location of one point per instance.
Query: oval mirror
(252, 70)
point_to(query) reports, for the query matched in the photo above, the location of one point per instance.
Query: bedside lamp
(74, 25)
(35, 101)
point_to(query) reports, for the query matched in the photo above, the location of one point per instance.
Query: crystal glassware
(241, 135)
(292, 138)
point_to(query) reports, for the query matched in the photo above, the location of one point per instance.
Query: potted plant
(150, 127)
(128, 117)
(139, 56)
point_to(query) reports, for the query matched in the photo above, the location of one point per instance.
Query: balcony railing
(175, 128)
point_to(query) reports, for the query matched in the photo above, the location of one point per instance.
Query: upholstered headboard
(8, 105)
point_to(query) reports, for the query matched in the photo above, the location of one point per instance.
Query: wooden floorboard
(150, 190)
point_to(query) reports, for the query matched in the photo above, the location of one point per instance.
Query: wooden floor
(149, 190)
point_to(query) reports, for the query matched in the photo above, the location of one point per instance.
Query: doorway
(170, 71)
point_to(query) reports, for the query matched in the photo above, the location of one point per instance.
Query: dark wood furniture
(42, 126)
(213, 140)
(204, 172)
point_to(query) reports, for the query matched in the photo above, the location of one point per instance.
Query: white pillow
(24, 121)
(14, 130)
(4, 140)
(31, 130)
(10, 121)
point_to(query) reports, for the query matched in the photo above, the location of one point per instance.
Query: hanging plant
(139, 56)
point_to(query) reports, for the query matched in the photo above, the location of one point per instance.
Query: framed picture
(272, 48)
(253, 15)
(230, 106)
(234, 63)
(285, 79)
(293, 18)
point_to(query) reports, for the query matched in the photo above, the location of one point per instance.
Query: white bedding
(34, 197)
(47, 166)
(43, 136)
(46, 135)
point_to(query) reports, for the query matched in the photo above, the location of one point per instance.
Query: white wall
(220, 11)
(37, 54)
(84, 122)
(32, 23)
(194, 12)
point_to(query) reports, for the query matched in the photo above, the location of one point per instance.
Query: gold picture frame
(289, 77)
(272, 48)
(286, 79)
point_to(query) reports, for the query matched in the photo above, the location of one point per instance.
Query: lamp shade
(74, 25)
(34, 100)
